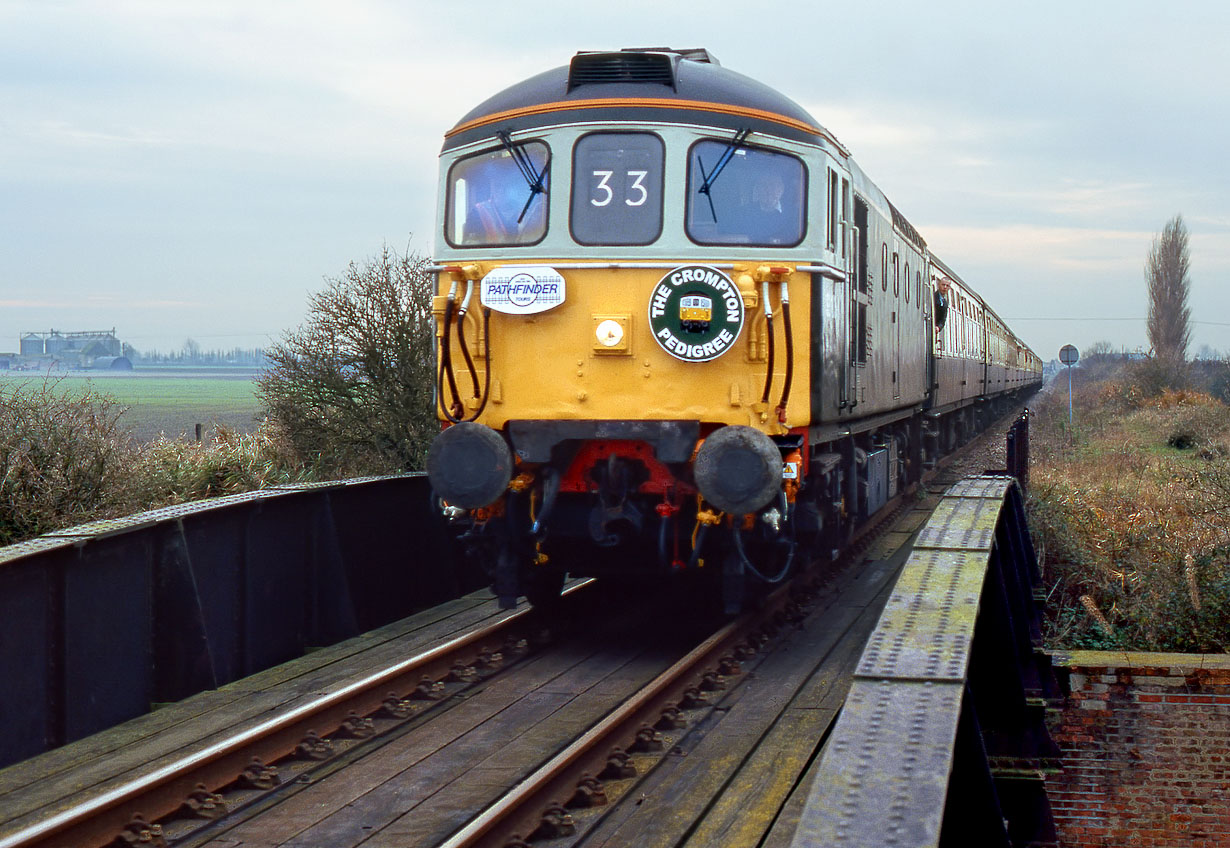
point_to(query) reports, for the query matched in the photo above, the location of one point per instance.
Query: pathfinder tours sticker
(522, 289)
(696, 313)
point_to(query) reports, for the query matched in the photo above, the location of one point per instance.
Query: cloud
(1042, 247)
(107, 304)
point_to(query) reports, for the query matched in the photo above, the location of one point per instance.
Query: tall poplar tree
(1166, 273)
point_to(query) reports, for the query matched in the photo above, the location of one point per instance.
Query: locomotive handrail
(830, 271)
(942, 740)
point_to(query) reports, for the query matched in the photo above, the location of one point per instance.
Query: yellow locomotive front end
(623, 319)
(618, 344)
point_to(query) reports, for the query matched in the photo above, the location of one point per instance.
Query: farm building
(83, 349)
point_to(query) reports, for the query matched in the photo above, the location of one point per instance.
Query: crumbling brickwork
(1146, 750)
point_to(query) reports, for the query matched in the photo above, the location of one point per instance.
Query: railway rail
(711, 732)
(244, 759)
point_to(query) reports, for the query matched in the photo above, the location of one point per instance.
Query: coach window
(745, 195)
(883, 267)
(617, 188)
(499, 197)
(918, 289)
(907, 282)
(896, 274)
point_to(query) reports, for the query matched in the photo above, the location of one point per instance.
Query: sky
(180, 169)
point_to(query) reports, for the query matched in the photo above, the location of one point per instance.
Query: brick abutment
(1145, 741)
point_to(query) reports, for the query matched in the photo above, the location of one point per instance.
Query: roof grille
(626, 66)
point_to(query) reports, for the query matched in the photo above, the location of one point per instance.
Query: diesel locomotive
(680, 330)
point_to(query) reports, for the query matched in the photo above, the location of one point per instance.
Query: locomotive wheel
(507, 578)
(542, 585)
(734, 583)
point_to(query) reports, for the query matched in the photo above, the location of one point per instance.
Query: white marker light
(610, 333)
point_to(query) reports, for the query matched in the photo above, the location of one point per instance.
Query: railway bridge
(916, 715)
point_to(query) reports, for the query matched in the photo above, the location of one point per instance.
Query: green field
(166, 401)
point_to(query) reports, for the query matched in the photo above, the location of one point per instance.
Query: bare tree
(352, 388)
(192, 351)
(1166, 273)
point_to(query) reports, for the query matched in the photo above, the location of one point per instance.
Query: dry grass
(1130, 507)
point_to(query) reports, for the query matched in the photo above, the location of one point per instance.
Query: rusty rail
(540, 801)
(98, 818)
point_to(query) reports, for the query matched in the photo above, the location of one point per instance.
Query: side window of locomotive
(495, 200)
(745, 196)
(834, 200)
(845, 215)
(617, 188)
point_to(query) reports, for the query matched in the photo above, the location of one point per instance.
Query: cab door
(896, 313)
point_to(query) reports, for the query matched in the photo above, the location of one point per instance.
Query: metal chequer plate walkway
(942, 740)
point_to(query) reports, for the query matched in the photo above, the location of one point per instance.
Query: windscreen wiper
(533, 177)
(709, 179)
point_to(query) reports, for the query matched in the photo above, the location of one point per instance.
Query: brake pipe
(482, 404)
(452, 410)
(768, 322)
(785, 303)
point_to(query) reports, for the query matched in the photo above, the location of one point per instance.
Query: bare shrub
(352, 388)
(1208, 482)
(1155, 375)
(1213, 376)
(175, 471)
(64, 459)
(1099, 360)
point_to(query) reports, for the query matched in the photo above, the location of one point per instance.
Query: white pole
(1069, 395)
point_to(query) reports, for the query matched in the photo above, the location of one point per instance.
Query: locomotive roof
(641, 84)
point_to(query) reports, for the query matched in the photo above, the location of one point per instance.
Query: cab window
(617, 188)
(492, 199)
(745, 196)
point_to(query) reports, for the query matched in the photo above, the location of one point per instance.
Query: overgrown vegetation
(65, 460)
(1130, 506)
